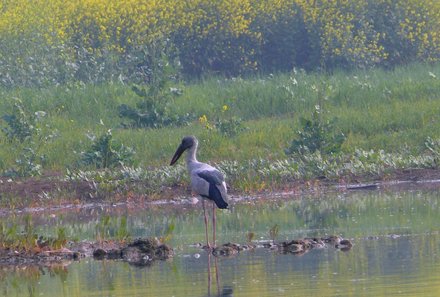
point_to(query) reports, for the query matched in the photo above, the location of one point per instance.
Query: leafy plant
(151, 111)
(28, 163)
(155, 93)
(20, 125)
(316, 135)
(24, 131)
(105, 152)
(433, 145)
(229, 127)
(16, 237)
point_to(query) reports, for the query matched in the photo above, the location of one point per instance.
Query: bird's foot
(209, 247)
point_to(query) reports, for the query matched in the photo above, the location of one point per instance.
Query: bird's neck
(191, 155)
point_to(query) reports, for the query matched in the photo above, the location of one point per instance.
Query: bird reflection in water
(227, 291)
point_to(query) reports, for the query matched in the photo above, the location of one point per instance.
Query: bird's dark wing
(214, 178)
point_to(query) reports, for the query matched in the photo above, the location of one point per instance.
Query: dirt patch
(38, 191)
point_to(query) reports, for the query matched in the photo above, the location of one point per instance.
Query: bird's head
(187, 143)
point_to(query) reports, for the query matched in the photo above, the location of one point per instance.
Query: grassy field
(395, 111)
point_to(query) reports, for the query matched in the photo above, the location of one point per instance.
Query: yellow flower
(225, 107)
(203, 119)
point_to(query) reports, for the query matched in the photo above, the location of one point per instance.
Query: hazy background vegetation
(55, 42)
(103, 84)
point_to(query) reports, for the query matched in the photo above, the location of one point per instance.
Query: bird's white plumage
(206, 180)
(200, 185)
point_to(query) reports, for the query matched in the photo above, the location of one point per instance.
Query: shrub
(105, 152)
(228, 126)
(156, 94)
(24, 132)
(433, 145)
(316, 135)
(20, 124)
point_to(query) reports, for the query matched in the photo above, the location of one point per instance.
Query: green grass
(376, 109)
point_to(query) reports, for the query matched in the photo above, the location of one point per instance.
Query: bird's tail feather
(216, 196)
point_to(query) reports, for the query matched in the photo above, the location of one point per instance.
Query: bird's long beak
(177, 154)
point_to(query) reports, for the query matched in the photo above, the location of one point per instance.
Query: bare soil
(50, 190)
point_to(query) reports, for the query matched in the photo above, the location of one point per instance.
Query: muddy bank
(50, 192)
(140, 252)
(294, 246)
(144, 251)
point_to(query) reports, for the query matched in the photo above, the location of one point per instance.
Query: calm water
(396, 251)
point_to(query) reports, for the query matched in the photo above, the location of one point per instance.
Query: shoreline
(37, 192)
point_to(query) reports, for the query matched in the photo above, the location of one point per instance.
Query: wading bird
(206, 180)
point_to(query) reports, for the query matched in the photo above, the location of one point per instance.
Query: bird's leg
(206, 224)
(213, 222)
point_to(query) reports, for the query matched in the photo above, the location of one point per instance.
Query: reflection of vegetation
(26, 279)
(378, 261)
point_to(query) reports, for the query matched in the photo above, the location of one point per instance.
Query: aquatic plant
(168, 234)
(273, 232)
(250, 237)
(112, 228)
(61, 238)
(22, 236)
(102, 228)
